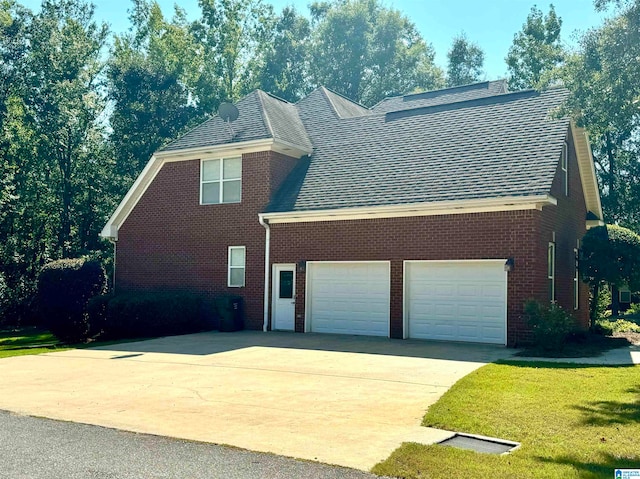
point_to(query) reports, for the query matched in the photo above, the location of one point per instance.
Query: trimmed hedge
(135, 315)
(64, 288)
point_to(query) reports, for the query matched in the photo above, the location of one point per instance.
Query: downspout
(113, 281)
(267, 242)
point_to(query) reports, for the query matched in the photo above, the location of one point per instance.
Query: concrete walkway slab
(341, 400)
(628, 355)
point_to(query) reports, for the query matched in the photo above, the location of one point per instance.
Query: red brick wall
(568, 221)
(462, 236)
(171, 242)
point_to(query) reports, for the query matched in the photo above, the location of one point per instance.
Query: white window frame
(551, 270)
(230, 267)
(221, 180)
(576, 280)
(564, 165)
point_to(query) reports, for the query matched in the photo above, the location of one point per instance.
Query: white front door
(284, 297)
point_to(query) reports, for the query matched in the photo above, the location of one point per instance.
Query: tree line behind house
(82, 109)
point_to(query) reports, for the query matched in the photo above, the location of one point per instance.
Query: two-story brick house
(433, 215)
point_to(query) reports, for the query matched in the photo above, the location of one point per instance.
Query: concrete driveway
(342, 400)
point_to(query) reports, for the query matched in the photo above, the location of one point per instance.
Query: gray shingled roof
(504, 145)
(468, 142)
(262, 116)
(438, 97)
(344, 107)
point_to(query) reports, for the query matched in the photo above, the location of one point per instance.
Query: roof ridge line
(461, 103)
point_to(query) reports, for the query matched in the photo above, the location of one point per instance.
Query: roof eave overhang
(587, 171)
(594, 223)
(484, 205)
(110, 230)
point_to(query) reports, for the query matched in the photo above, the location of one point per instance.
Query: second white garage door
(348, 298)
(456, 301)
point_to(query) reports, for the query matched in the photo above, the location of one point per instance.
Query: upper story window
(220, 181)
(564, 165)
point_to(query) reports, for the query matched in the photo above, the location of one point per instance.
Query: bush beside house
(135, 315)
(64, 287)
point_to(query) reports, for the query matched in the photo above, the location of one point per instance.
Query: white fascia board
(587, 170)
(252, 146)
(515, 203)
(138, 188)
(156, 162)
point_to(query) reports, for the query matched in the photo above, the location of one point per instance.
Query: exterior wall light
(509, 265)
(302, 266)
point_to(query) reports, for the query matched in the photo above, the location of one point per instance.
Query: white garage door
(348, 298)
(457, 301)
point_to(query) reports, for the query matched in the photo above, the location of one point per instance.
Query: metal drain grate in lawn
(480, 444)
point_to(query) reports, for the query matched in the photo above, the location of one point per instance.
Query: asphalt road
(35, 448)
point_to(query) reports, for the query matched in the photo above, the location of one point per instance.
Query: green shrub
(63, 290)
(550, 324)
(607, 328)
(134, 315)
(604, 303)
(633, 310)
(96, 314)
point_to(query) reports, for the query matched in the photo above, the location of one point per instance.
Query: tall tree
(366, 51)
(465, 62)
(604, 80)
(536, 49)
(63, 103)
(284, 69)
(51, 138)
(231, 33)
(151, 75)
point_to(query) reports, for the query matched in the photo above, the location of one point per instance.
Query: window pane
(237, 277)
(210, 193)
(286, 284)
(550, 260)
(232, 168)
(237, 257)
(231, 191)
(210, 170)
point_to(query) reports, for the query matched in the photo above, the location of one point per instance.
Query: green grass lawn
(573, 422)
(31, 340)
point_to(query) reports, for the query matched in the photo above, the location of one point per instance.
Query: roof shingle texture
(262, 116)
(471, 142)
(439, 97)
(505, 145)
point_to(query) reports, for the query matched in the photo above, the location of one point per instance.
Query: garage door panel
(349, 298)
(459, 301)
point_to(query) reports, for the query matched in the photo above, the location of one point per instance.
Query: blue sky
(490, 23)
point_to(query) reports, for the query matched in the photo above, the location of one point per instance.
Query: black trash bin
(230, 312)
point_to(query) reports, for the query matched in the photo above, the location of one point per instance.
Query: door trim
(274, 292)
(405, 286)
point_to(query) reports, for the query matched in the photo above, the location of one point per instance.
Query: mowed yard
(573, 421)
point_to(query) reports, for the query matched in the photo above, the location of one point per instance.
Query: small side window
(564, 164)
(551, 271)
(237, 260)
(576, 280)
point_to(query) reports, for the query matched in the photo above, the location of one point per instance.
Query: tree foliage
(465, 62)
(603, 77)
(366, 51)
(536, 49)
(610, 254)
